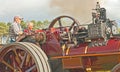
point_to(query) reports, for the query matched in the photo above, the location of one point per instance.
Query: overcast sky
(49, 9)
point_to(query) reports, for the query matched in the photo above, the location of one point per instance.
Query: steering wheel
(72, 28)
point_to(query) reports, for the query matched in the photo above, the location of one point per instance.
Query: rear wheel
(23, 57)
(116, 68)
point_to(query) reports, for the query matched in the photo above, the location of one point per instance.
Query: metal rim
(116, 68)
(42, 55)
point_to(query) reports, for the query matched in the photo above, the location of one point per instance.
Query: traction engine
(66, 47)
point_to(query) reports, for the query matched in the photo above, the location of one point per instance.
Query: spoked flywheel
(23, 57)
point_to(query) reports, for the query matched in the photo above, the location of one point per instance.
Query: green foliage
(38, 25)
(23, 25)
(4, 28)
(8, 24)
(119, 30)
(45, 24)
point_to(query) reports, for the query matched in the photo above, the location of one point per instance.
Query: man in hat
(15, 28)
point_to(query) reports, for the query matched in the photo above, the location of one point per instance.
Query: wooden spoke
(19, 69)
(16, 56)
(8, 65)
(23, 60)
(27, 60)
(31, 68)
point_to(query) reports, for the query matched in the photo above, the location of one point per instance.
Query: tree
(46, 23)
(3, 28)
(39, 24)
(23, 25)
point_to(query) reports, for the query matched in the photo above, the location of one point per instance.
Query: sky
(50, 9)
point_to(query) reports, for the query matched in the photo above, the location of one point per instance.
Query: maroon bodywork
(82, 56)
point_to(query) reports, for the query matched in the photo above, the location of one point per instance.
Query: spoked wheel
(23, 57)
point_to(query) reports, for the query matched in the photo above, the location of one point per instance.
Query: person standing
(15, 29)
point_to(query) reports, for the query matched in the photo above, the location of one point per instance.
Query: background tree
(45, 24)
(23, 24)
(39, 24)
(4, 29)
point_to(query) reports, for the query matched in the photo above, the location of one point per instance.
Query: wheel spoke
(8, 65)
(19, 70)
(27, 60)
(60, 24)
(17, 57)
(31, 68)
(23, 60)
(72, 26)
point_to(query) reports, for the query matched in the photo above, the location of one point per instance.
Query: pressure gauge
(114, 30)
(108, 30)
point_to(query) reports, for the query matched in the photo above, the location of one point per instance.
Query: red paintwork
(52, 46)
(37, 31)
(113, 45)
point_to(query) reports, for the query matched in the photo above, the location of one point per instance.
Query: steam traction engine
(73, 48)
